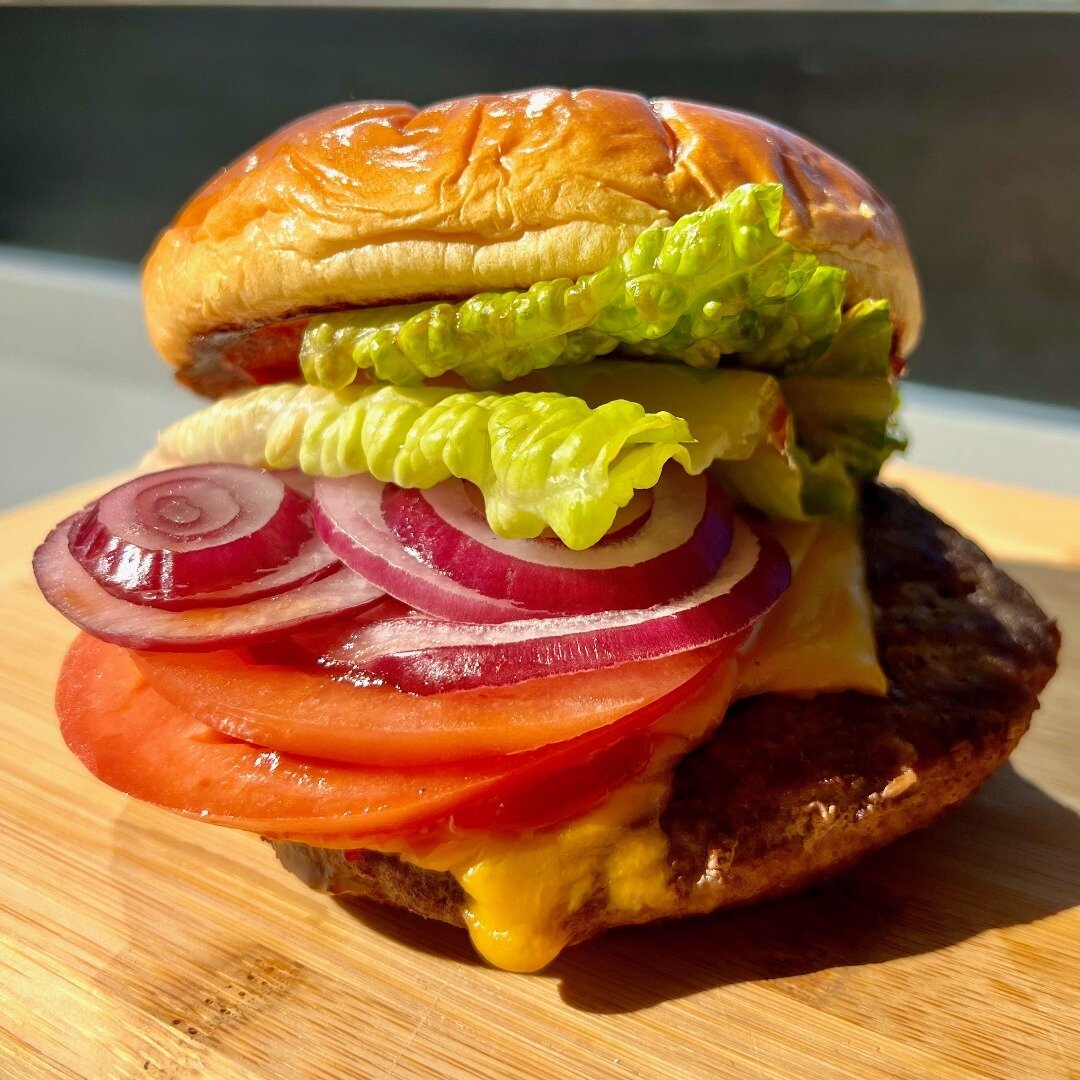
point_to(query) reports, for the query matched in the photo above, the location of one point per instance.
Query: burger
(529, 570)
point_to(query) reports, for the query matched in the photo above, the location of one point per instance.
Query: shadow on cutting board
(1007, 858)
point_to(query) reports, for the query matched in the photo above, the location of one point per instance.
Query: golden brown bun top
(374, 202)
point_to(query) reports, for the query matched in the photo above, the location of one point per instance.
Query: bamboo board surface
(134, 943)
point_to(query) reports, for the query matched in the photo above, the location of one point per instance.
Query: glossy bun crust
(790, 790)
(376, 202)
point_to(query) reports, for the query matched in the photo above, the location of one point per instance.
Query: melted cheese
(820, 635)
(523, 893)
(618, 849)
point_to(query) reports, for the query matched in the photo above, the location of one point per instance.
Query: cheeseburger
(529, 570)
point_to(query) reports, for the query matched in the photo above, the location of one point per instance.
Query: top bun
(377, 202)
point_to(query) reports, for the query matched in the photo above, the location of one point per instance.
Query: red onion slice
(348, 516)
(424, 656)
(75, 594)
(675, 550)
(170, 535)
(297, 480)
(313, 562)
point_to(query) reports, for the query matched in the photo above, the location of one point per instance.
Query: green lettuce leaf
(729, 412)
(540, 459)
(784, 482)
(852, 418)
(566, 447)
(861, 347)
(844, 401)
(713, 284)
(742, 429)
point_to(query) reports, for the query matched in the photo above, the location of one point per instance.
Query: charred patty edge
(790, 791)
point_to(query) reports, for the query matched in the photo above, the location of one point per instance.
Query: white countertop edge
(993, 438)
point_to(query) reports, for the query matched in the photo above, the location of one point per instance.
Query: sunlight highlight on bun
(375, 202)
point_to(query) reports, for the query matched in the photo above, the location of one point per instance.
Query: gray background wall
(969, 123)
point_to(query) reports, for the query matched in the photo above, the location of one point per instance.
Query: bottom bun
(790, 791)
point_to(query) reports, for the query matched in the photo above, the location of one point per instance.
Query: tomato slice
(306, 711)
(131, 738)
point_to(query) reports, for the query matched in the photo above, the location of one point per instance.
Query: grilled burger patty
(790, 790)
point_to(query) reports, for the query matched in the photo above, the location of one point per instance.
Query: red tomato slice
(134, 740)
(308, 712)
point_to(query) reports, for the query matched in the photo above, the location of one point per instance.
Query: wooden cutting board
(134, 943)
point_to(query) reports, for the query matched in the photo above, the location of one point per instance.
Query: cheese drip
(524, 892)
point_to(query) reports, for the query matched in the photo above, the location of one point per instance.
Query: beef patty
(791, 790)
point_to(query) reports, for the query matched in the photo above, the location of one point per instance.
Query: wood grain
(134, 943)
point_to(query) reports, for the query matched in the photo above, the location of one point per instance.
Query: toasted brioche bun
(379, 202)
(790, 790)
